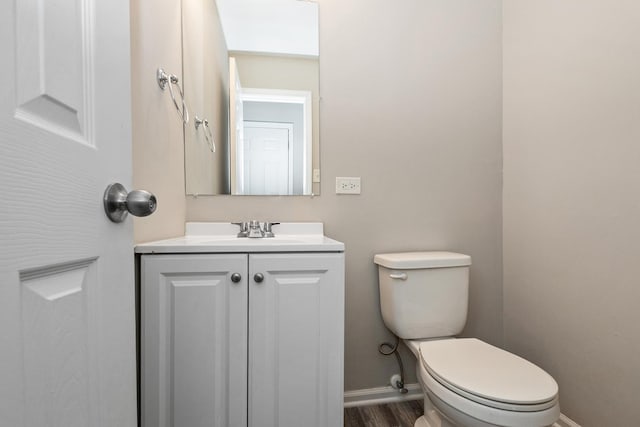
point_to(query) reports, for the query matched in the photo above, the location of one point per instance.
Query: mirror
(251, 83)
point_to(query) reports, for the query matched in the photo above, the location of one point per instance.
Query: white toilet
(466, 382)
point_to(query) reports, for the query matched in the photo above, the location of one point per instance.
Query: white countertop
(220, 237)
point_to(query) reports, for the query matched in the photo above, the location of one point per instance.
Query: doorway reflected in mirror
(252, 69)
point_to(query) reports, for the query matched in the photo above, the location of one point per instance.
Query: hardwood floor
(402, 414)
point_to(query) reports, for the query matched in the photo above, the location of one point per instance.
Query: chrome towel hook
(165, 80)
(208, 135)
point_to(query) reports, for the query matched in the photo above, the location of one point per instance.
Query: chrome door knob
(258, 277)
(118, 203)
(236, 277)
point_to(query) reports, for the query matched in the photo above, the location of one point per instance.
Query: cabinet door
(193, 341)
(296, 340)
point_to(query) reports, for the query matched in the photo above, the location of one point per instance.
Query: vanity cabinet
(242, 339)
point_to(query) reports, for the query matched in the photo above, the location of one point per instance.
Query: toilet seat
(487, 375)
(466, 412)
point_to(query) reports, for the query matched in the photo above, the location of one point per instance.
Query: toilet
(466, 382)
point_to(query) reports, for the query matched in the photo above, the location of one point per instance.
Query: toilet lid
(480, 369)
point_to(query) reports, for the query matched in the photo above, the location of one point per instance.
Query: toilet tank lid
(415, 260)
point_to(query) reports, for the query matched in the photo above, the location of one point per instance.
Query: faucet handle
(267, 228)
(244, 228)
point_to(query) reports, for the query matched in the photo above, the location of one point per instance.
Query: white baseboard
(565, 421)
(380, 395)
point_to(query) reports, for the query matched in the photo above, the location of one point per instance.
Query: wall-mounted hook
(208, 135)
(165, 80)
(162, 78)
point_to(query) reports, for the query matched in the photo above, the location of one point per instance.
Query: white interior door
(268, 158)
(67, 325)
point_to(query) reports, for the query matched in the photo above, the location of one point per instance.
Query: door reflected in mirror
(251, 69)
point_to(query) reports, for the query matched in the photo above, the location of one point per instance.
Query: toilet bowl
(470, 383)
(466, 382)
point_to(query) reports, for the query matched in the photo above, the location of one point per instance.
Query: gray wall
(205, 65)
(411, 102)
(571, 189)
(158, 150)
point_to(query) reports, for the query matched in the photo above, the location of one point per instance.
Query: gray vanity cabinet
(263, 348)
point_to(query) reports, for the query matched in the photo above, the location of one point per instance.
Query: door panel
(296, 318)
(56, 321)
(53, 47)
(194, 341)
(268, 157)
(67, 324)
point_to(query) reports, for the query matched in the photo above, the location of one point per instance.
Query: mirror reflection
(250, 75)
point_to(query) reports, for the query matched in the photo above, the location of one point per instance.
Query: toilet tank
(424, 294)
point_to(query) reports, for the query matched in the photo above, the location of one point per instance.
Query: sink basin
(218, 237)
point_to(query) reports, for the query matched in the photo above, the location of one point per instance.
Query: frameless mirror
(251, 83)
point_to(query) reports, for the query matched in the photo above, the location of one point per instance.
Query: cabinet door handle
(236, 277)
(258, 277)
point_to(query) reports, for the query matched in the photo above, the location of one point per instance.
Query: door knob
(258, 277)
(118, 203)
(236, 277)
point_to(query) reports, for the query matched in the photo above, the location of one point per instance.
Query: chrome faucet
(254, 230)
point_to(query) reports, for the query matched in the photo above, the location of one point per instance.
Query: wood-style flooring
(401, 414)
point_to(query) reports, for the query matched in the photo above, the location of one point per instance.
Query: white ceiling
(270, 26)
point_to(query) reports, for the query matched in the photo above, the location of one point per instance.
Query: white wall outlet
(347, 185)
(316, 175)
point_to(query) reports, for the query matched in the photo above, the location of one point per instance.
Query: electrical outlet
(347, 185)
(316, 175)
